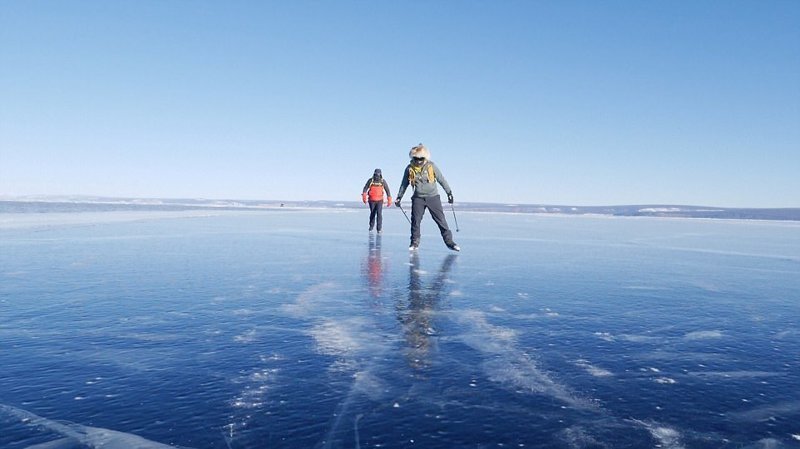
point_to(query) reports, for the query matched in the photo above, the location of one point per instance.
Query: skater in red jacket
(373, 194)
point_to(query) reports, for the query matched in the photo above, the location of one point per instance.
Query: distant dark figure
(423, 175)
(373, 193)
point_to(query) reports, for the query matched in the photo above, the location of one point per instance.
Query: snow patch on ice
(247, 337)
(665, 380)
(508, 365)
(607, 336)
(593, 370)
(577, 437)
(787, 333)
(768, 411)
(77, 434)
(308, 300)
(734, 374)
(640, 338)
(604, 336)
(336, 338)
(667, 437)
(767, 443)
(703, 335)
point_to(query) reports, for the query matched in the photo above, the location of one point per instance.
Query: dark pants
(433, 204)
(375, 211)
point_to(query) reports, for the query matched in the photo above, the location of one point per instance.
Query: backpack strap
(428, 167)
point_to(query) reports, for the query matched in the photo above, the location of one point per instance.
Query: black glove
(450, 198)
(397, 203)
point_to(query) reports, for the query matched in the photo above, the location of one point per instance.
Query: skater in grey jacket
(422, 174)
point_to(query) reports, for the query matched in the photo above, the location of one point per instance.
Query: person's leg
(437, 213)
(372, 212)
(417, 211)
(379, 215)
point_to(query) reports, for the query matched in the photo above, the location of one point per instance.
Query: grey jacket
(423, 187)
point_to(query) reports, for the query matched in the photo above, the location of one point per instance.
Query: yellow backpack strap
(431, 175)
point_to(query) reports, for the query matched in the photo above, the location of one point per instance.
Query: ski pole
(404, 213)
(454, 215)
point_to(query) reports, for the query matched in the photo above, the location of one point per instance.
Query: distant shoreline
(100, 204)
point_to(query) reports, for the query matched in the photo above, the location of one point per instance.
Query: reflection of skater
(416, 317)
(423, 174)
(374, 267)
(373, 193)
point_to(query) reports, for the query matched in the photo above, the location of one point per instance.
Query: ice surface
(292, 328)
(76, 435)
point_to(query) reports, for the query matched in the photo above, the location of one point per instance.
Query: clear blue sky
(554, 102)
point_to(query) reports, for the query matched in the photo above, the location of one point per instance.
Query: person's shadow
(417, 315)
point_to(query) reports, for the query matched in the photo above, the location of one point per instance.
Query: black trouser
(375, 211)
(434, 204)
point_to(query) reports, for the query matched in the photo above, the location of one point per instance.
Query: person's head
(419, 154)
(377, 174)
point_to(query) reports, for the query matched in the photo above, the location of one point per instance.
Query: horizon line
(76, 198)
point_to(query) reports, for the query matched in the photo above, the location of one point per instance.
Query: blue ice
(298, 328)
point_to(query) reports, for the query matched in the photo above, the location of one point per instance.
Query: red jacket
(374, 189)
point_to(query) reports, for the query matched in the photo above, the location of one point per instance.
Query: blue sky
(553, 102)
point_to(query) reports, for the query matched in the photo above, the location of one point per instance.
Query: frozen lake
(299, 329)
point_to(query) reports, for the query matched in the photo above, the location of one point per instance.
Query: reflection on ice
(416, 314)
(375, 267)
